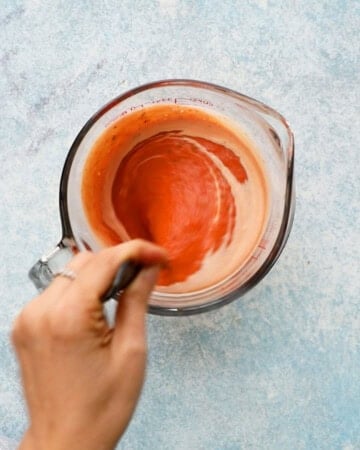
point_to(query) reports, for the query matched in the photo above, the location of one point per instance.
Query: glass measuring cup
(265, 127)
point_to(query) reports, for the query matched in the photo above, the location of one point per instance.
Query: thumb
(132, 306)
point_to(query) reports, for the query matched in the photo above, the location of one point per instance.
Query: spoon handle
(126, 273)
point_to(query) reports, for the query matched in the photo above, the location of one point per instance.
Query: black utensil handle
(126, 273)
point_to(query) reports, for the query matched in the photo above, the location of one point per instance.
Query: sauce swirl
(184, 179)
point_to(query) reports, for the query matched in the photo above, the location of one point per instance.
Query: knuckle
(28, 325)
(17, 334)
(137, 246)
(82, 258)
(134, 348)
(138, 242)
(108, 258)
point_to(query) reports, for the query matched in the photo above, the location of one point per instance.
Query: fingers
(96, 275)
(132, 307)
(69, 306)
(60, 283)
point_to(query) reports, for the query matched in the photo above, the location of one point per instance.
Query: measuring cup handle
(42, 273)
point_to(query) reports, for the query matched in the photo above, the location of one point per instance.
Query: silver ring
(67, 273)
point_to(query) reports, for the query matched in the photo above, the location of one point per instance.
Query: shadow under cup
(265, 128)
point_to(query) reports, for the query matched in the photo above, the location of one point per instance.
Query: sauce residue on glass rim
(182, 178)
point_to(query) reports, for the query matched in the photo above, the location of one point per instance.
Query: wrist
(32, 442)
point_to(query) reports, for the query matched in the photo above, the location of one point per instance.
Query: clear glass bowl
(265, 127)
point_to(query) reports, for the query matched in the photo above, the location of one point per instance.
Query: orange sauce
(171, 174)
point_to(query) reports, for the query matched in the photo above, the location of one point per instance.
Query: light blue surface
(280, 368)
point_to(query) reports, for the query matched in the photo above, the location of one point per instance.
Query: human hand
(82, 379)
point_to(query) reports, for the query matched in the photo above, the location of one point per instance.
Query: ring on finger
(67, 273)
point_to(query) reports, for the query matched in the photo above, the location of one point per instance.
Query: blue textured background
(280, 368)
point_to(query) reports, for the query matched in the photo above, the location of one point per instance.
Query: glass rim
(288, 213)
